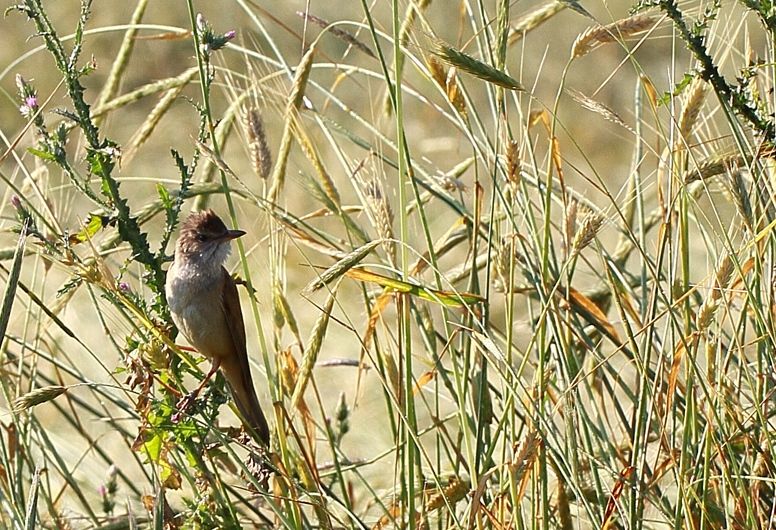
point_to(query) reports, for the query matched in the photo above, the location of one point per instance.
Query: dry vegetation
(509, 265)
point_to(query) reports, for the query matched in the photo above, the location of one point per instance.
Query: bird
(205, 307)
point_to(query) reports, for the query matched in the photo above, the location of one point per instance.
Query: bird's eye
(201, 237)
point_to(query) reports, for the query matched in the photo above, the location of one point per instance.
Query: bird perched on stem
(205, 307)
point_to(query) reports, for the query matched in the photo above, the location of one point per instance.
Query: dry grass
(486, 308)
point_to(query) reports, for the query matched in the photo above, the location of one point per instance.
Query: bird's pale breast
(196, 306)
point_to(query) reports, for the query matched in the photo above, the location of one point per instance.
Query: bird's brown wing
(235, 365)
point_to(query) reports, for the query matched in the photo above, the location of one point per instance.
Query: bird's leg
(189, 398)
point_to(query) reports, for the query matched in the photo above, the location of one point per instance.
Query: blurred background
(271, 38)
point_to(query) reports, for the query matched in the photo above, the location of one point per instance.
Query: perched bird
(205, 307)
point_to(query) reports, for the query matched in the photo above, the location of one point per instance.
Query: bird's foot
(183, 405)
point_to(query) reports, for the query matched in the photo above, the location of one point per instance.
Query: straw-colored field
(507, 264)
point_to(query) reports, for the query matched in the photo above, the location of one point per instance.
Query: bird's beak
(233, 234)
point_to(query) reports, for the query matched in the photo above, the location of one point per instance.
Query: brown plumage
(205, 307)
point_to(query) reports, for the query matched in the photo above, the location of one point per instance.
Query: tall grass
(465, 307)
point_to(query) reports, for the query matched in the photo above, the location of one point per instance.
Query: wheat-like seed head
(278, 318)
(300, 78)
(150, 123)
(261, 158)
(534, 19)
(591, 224)
(294, 102)
(599, 108)
(38, 396)
(339, 33)
(325, 180)
(455, 490)
(711, 303)
(503, 264)
(349, 261)
(454, 94)
(525, 457)
(514, 174)
(692, 107)
(288, 372)
(405, 30)
(722, 278)
(381, 215)
(712, 166)
(740, 193)
(448, 81)
(596, 36)
(475, 67)
(310, 354)
(437, 70)
(706, 314)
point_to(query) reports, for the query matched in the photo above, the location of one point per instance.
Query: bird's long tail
(238, 375)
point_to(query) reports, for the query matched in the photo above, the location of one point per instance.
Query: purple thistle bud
(16, 202)
(31, 101)
(102, 490)
(124, 288)
(229, 35)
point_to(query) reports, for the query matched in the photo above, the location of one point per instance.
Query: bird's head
(205, 237)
